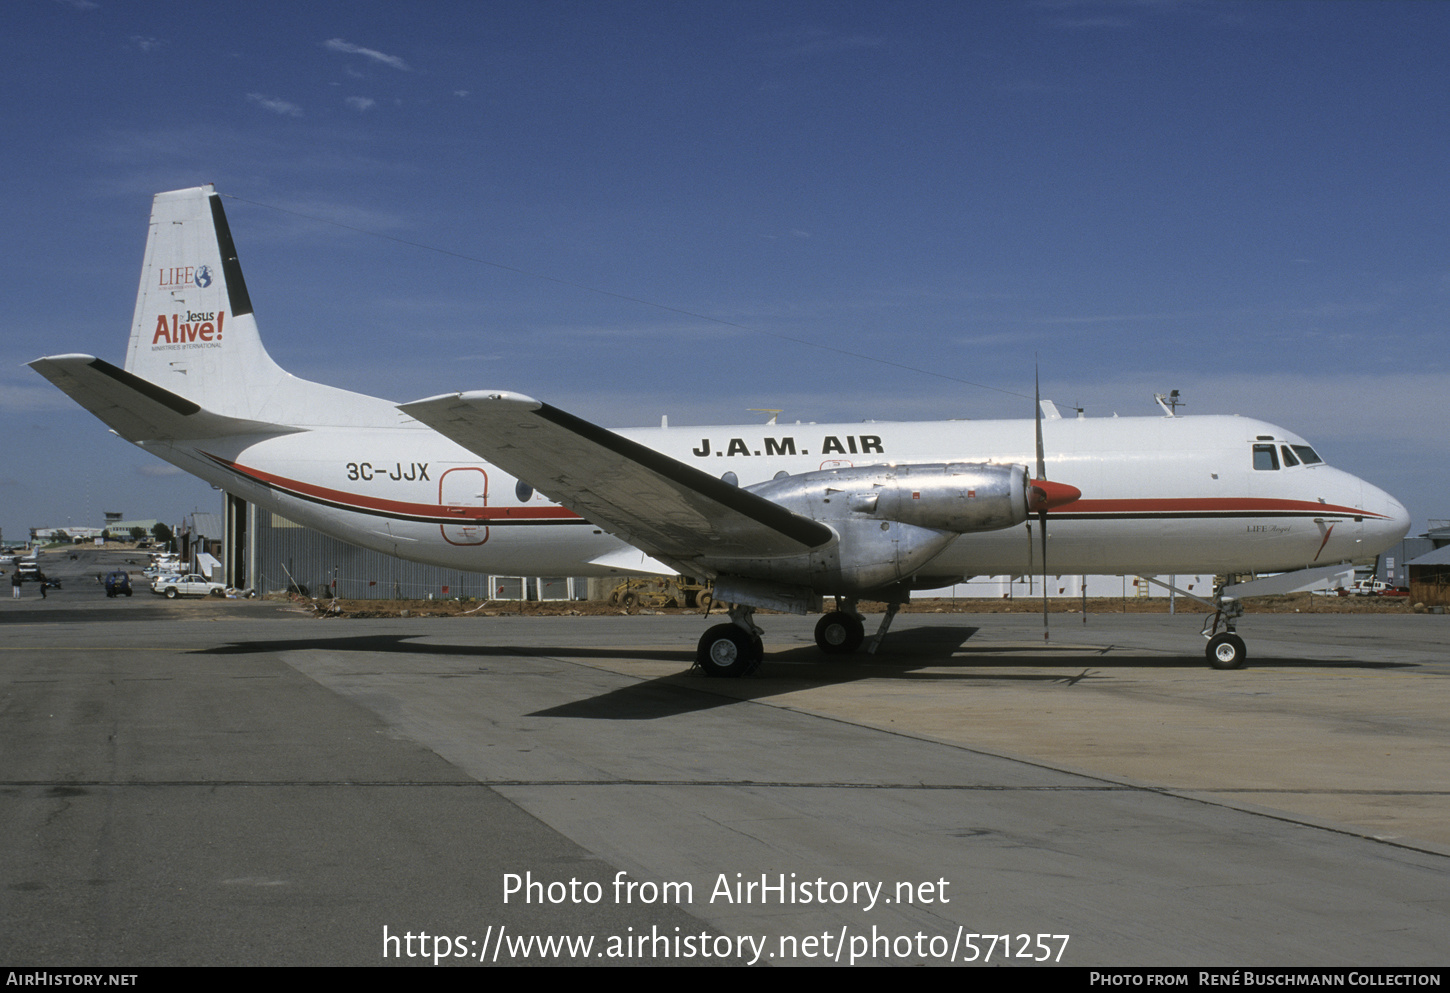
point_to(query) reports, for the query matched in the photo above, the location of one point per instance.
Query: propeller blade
(1044, 492)
(1042, 523)
(1037, 406)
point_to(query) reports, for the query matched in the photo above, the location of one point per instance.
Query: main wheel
(839, 633)
(728, 650)
(1226, 651)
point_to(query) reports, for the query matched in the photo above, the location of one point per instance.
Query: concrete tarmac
(231, 782)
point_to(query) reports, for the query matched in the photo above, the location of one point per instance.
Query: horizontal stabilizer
(138, 410)
(656, 503)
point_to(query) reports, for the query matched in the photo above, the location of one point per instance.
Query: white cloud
(360, 103)
(146, 44)
(275, 105)
(338, 45)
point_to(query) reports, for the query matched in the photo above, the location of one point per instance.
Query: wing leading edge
(659, 504)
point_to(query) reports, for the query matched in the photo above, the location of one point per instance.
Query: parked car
(192, 584)
(118, 583)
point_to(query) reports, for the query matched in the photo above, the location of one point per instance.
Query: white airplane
(777, 516)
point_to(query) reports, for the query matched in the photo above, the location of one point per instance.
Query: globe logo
(203, 276)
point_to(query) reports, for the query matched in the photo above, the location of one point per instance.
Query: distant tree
(161, 533)
(59, 536)
(137, 533)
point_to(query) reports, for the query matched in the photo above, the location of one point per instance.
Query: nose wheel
(1226, 651)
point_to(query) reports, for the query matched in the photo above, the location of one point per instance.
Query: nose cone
(1386, 520)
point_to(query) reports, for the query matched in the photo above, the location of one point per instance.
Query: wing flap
(656, 503)
(137, 409)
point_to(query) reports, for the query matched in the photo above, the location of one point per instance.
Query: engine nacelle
(962, 497)
(890, 521)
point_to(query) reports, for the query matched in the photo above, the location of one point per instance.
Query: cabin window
(1289, 459)
(1306, 454)
(1265, 457)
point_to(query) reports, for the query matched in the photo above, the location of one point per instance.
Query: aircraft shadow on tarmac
(941, 650)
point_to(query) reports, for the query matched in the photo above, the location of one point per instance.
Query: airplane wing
(137, 409)
(656, 503)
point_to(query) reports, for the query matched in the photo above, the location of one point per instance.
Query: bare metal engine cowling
(890, 520)
(956, 496)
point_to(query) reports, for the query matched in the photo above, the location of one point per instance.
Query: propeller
(1045, 494)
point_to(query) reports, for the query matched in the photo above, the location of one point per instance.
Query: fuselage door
(463, 493)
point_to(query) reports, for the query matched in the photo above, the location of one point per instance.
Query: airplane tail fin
(194, 335)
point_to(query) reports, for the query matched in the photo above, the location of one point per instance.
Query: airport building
(266, 552)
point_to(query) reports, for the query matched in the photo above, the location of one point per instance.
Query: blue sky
(733, 202)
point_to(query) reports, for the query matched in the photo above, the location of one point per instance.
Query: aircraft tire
(1226, 651)
(727, 650)
(838, 633)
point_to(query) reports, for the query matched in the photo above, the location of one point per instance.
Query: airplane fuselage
(1163, 494)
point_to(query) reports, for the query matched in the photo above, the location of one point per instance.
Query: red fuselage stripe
(441, 513)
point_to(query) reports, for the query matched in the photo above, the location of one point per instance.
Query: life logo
(179, 275)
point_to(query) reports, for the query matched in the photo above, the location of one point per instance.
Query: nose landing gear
(1225, 648)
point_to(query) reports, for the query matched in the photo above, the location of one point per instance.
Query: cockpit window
(1306, 454)
(1289, 459)
(1265, 457)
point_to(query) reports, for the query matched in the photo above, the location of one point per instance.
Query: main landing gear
(842, 631)
(733, 649)
(839, 632)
